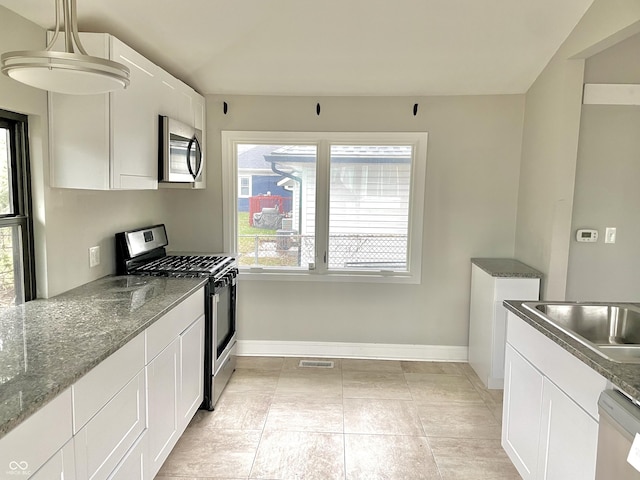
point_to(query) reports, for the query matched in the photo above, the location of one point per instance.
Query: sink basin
(612, 331)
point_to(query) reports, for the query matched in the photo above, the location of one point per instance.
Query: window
(327, 205)
(245, 187)
(17, 283)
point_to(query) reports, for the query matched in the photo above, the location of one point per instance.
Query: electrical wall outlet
(94, 257)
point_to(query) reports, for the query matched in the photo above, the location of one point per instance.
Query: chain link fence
(379, 252)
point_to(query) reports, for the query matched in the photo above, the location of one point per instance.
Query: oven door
(223, 344)
(224, 333)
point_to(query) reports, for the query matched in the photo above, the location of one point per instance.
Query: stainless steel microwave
(180, 158)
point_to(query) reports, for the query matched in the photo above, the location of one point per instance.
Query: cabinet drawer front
(575, 378)
(61, 466)
(97, 387)
(104, 441)
(27, 447)
(176, 321)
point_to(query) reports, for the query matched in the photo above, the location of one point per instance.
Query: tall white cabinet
(494, 280)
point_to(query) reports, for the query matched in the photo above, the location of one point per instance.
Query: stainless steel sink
(610, 330)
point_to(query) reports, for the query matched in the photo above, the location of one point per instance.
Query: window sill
(315, 276)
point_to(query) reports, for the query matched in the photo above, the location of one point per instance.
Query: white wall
(66, 222)
(550, 143)
(607, 192)
(470, 207)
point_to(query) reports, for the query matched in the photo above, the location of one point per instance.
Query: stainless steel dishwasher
(619, 423)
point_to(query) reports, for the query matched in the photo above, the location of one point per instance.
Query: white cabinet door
(162, 384)
(107, 141)
(60, 467)
(105, 440)
(568, 438)
(79, 137)
(132, 466)
(191, 372)
(522, 413)
(134, 123)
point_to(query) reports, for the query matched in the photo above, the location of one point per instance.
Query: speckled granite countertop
(47, 345)
(506, 267)
(624, 376)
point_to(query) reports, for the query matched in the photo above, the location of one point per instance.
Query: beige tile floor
(361, 420)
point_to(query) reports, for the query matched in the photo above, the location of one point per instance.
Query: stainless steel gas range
(142, 252)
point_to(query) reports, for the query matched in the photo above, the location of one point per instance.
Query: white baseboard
(377, 351)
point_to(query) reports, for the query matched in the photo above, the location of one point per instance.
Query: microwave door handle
(193, 143)
(189, 157)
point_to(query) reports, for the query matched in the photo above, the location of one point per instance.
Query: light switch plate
(610, 235)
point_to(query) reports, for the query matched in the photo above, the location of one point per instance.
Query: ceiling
(335, 47)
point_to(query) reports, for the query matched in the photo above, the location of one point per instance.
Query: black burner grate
(201, 265)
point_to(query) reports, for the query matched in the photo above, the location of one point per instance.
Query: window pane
(276, 224)
(244, 186)
(369, 207)
(6, 194)
(11, 279)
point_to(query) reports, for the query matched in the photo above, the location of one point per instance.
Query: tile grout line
(344, 438)
(264, 426)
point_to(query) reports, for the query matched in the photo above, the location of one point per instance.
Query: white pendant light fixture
(72, 71)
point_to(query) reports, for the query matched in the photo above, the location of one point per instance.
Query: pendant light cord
(54, 37)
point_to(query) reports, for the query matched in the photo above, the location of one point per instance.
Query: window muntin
(17, 278)
(389, 173)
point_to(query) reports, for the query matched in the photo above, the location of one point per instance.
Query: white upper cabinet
(134, 123)
(110, 141)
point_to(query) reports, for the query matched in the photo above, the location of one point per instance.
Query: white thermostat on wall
(587, 235)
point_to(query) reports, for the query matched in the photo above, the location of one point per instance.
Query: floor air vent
(316, 363)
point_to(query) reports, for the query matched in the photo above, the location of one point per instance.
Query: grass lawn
(247, 245)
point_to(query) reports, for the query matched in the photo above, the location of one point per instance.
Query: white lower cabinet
(568, 437)
(27, 448)
(521, 413)
(175, 390)
(549, 423)
(191, 372)
(121, 420)
(105, 440)
(488, 320)
(162, 374)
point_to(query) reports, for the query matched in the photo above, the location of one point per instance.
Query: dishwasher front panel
(619, 422)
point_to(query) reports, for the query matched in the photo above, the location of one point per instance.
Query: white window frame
(323, 140)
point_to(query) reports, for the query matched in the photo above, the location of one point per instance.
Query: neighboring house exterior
(255, 176)
(369, 200)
